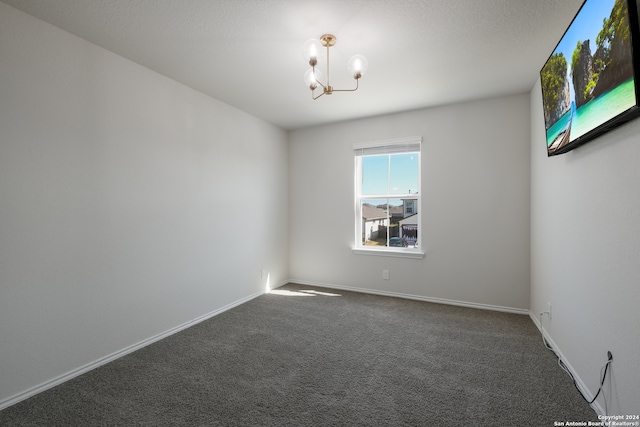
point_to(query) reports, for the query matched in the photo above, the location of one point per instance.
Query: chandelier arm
(316, 78)
(316, 97)
(348, 90)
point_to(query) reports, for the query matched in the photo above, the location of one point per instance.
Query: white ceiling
(248, 53)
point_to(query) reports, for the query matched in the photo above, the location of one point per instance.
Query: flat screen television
(590, 83)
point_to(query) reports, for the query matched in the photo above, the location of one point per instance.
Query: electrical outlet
(549, 309)
(385, 274)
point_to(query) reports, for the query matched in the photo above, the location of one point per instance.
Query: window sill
(398, 253)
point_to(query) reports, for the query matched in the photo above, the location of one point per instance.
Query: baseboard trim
(113, 356)
(415, 297)
(581, 385)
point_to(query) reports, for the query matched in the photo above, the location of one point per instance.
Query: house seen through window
(388, 195)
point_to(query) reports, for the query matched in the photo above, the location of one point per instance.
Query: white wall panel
(475, 204)
(129, 204)
(585, 252)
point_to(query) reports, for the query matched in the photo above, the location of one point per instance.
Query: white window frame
(394, 146)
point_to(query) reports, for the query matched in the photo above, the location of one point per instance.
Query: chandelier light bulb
(357, 66)
(312, 51)
(310, 78)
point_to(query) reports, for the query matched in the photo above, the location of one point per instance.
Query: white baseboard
(581, 385)
(113, 356)
(415, 297)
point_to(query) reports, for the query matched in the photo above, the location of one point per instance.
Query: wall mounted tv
(590, 83)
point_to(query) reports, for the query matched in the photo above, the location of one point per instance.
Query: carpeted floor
(304, 356)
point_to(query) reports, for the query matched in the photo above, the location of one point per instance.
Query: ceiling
(248, 53)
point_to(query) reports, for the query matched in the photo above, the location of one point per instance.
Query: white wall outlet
(385, 274)
(549, 309)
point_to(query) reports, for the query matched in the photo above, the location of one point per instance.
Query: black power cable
(606, 367)
(566, 369)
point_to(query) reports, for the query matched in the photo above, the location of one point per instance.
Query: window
(408, 207)
(387, 197)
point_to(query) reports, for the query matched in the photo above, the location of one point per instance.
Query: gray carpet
(302, 358)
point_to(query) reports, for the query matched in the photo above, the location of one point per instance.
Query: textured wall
(129, 204)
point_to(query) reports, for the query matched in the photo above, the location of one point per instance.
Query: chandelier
(357, 66)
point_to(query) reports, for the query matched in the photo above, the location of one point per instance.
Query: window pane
(409, 230)
(375, 175)
(375, 222)
(403, 227)
(404, 174)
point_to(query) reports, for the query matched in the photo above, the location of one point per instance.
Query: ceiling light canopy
(315, 49)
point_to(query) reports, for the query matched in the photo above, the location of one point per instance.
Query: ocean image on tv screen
(588, 80)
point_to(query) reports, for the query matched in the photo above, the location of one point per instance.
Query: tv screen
(590, 81)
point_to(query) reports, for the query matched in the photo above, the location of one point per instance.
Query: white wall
(585, 255)
(122, 203)
(475, 204)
